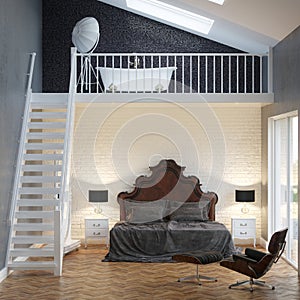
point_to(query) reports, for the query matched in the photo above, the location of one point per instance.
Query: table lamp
(245, 196)
(98, 197)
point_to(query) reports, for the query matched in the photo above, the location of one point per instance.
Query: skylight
(221, 2)
(172, 14)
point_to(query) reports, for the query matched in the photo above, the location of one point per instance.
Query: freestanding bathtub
(136, 80)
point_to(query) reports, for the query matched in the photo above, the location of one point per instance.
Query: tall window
(283, 196)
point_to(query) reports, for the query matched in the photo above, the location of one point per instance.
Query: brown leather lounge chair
(255, 263)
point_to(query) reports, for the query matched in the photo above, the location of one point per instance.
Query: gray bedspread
(158, 241)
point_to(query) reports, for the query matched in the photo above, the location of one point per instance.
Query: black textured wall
(120, 32)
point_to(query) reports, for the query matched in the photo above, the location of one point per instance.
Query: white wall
(115, 143)
(21, 34)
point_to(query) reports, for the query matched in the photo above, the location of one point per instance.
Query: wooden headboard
(167, 182)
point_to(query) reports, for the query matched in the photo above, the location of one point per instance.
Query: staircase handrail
(30, 75)
(21, 148)
(64, 196)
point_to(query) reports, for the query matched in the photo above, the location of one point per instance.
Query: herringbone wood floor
(85, 276)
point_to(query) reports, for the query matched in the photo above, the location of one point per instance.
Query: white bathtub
(136, 80)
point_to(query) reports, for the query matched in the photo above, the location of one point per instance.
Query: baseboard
(249, 242)
(3, 274)
(263, 243)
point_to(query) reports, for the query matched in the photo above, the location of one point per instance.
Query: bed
(165, 214)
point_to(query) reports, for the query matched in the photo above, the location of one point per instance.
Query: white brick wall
(113, 144)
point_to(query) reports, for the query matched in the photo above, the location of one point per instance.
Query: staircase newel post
(63, 225)
(58, 244)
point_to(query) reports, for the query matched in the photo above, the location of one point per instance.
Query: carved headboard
(167, 181)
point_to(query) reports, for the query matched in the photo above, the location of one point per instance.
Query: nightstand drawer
(96, 232)
(242, 233)
(244, 223)
(96, 223)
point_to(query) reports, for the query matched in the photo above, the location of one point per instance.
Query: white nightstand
(244, 228)
(96, 229)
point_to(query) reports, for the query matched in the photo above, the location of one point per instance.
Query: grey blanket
(159, 241)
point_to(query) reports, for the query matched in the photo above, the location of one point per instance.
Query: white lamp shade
(85, 35)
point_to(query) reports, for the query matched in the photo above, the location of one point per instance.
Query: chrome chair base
(197, 276)
(252, 282)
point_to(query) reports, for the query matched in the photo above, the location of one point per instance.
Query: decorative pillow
(144, 211)
(190, 211)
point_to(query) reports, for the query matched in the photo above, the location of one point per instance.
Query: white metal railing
(172, 73)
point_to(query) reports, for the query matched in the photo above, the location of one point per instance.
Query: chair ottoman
(198, 258)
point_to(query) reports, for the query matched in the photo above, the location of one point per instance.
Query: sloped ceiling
(249, 25)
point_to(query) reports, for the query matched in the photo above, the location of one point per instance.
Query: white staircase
(40, 212)
(38, 189)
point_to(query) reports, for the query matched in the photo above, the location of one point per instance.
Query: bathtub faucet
(136, 62)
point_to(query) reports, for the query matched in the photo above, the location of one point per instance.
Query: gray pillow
(144, 211)
(190, 211)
